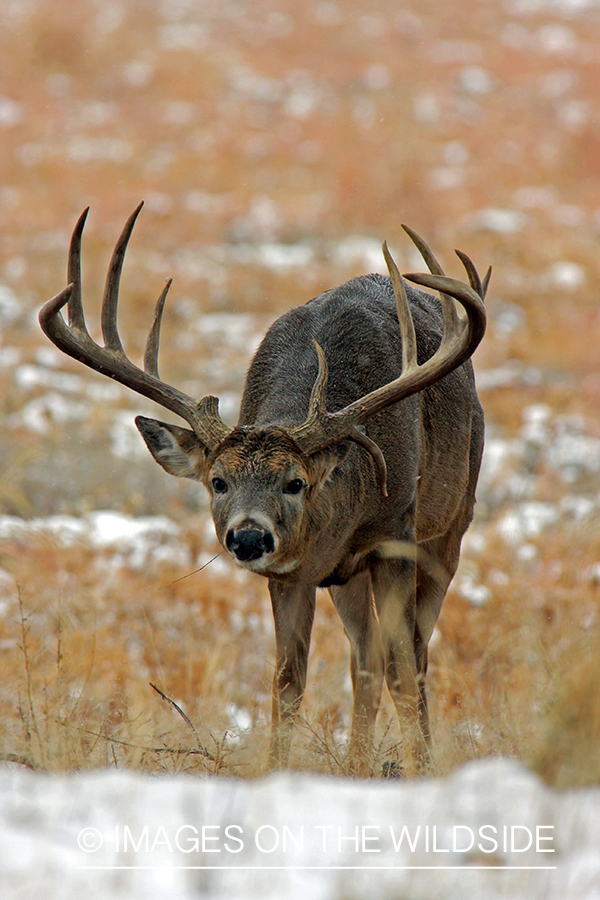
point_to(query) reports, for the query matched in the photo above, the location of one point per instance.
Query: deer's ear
(324, 462)
(177, 450)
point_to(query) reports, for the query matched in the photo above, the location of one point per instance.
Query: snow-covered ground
(134, 540)
(489, 830)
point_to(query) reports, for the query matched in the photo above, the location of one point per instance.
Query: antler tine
(485, 282)
(407, 326)
(359, 437)
(76, 316)
(316, 404)
(317, 415)
(110, 299)
(152, 344)
(425, 251)
(472, 273)
(474, 279)
(470, 330)
(111, 360)
(449, 312)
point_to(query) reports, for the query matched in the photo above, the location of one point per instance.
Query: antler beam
(110, 359)
(321, 428)
(459, 340)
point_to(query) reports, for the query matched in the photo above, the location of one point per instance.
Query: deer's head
(267, 495)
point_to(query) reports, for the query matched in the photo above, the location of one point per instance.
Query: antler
(459, 340)
(74, 340)
(321, 428)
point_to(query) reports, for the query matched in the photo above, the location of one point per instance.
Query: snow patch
(499, 221)
(293, 836)
(135, 541)
(526, 520)
(359, 250)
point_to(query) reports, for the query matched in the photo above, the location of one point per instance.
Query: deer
(353, 467)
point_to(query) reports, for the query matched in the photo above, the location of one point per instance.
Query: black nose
(249, 543)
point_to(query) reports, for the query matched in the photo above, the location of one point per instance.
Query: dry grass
(83, 644)
(284, 123)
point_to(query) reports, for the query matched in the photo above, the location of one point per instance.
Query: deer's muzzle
(249, 543)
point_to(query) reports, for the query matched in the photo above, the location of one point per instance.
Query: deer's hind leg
(437, 564)
(438, 561)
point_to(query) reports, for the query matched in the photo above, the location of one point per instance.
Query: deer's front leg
(394, 586)
(293, 612)
(354, 603)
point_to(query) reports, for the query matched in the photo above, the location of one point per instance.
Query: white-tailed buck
(353, 468)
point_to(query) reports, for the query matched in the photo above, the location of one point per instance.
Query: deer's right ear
(177, 450)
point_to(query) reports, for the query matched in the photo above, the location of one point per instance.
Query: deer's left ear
(324, 462)
(177, 450)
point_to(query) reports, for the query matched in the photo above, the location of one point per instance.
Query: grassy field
(276, 145)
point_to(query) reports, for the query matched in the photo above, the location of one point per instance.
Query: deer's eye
(219, 486)
(294, 486)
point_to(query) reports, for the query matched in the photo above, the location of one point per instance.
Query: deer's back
(356, 324)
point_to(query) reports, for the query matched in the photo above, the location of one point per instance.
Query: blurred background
(276, 145)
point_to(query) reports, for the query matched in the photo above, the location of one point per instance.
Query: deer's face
(258, 500)
(267, 498)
